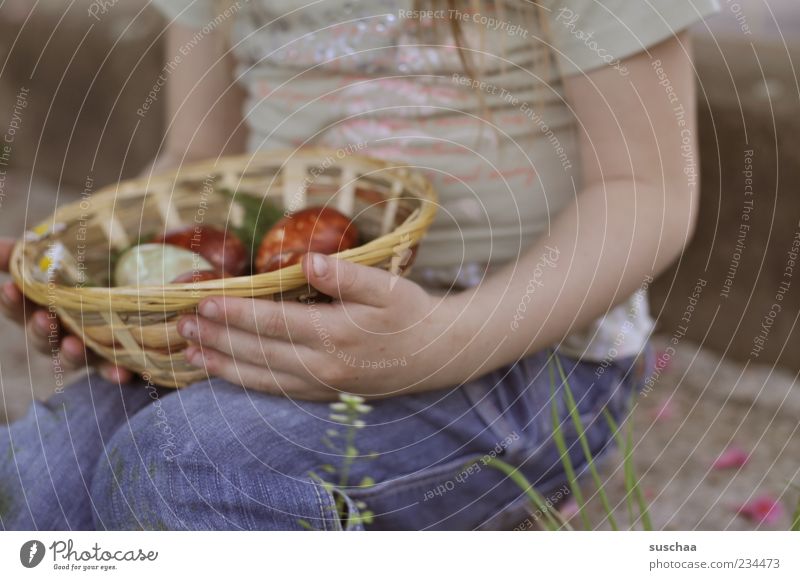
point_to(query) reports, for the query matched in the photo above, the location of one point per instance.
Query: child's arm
(203, 103)
(634, 214)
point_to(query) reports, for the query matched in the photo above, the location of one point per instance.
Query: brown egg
(198, 276)
(316, 229)
(223, 250)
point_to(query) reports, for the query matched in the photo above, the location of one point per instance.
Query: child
(561, 139)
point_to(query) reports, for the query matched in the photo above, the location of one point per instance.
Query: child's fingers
(349, 282)
(278, 320)
(76, 355)
(43, 331)
(245, 346)
(6, 247)
(114, 374)
(73, 352)
(12, 302)
(255, 377)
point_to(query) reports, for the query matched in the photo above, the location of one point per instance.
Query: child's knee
(181, 465)
(134, 470)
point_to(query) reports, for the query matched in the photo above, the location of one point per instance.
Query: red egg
(198, 276)
(223, 250)
(316, 229)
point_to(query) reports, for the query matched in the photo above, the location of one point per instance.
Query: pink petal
(663, 361)
(568, 509)
(733, 457)
(764, 509)
(664, 412)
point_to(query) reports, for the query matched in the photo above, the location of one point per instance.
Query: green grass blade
(537, 501)
(584, 443)
(647, 524)
(631, 479)
(561, 445)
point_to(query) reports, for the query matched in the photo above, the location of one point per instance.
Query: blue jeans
(216, 456)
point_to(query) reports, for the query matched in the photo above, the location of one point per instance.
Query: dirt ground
(699, 406)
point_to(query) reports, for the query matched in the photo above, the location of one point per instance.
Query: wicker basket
(135, 327)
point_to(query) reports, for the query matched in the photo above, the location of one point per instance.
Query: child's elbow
(682, 204)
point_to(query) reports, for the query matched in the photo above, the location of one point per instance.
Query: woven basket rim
(180, 296)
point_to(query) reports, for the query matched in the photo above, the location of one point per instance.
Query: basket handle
(169, 213)
(346, 197)
(294, 188)
(390, 211)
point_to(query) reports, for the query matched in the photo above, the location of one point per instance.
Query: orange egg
(322, 230)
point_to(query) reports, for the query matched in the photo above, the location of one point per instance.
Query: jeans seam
(322, 508)
(493, 417)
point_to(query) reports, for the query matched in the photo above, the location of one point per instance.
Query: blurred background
(70, 86)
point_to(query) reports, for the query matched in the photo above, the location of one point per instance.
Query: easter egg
(223, 250)
(317, 229)
(156, 265)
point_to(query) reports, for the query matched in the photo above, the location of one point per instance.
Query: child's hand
(383, 336)
(45, 332)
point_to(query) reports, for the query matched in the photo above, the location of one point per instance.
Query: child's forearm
(599, 251)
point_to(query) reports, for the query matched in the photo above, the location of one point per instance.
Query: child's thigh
(227, 450)
(218, 422)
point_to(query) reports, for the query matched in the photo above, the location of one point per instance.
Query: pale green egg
(156, 265)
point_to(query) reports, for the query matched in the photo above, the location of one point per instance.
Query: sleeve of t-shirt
(192, 13)
(588, 34)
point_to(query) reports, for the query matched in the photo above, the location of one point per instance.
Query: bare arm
(634, 215)
(203, 104)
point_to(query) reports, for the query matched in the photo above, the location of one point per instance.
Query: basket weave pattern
(135, 327)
